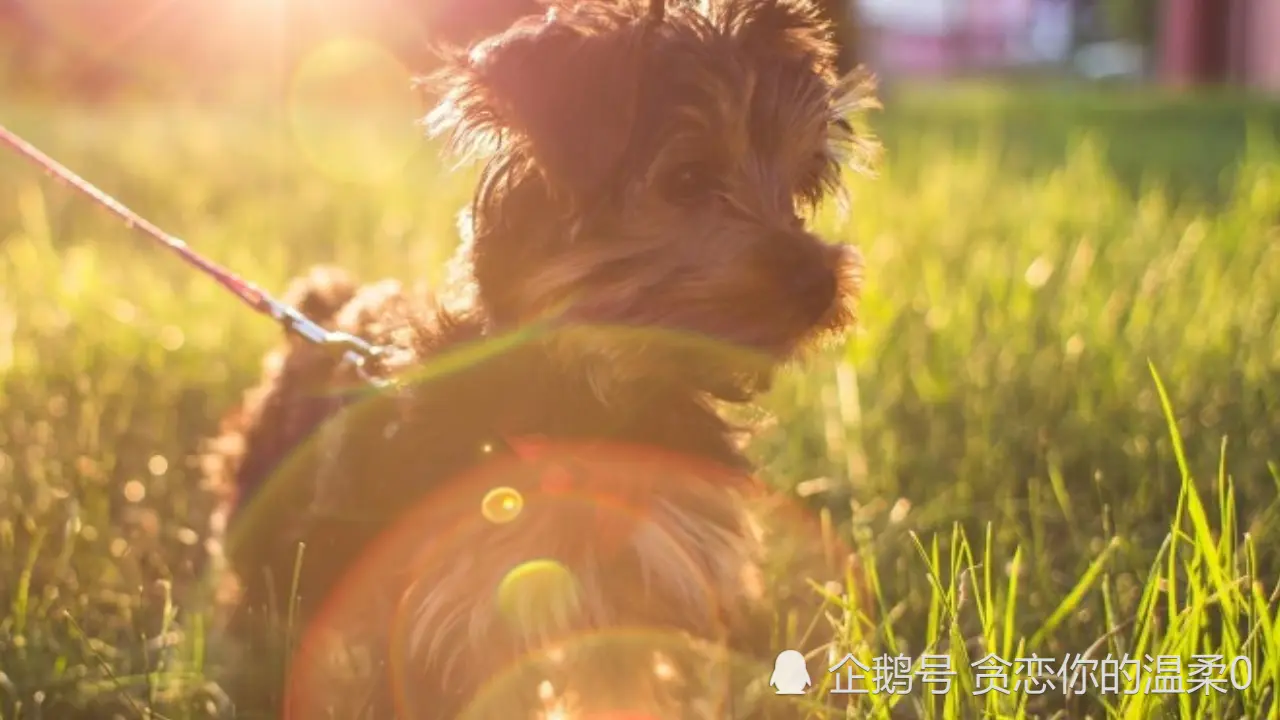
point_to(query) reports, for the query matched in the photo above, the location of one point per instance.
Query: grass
(1054, 433)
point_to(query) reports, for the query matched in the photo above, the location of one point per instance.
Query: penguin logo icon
(790, 674)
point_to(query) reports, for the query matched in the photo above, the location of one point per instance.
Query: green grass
(1054, 433)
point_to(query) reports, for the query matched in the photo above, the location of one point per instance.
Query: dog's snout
(803, 267)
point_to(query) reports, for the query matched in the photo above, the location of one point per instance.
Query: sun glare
(251, 10)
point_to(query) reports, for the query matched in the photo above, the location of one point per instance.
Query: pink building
(943, 37)
(1200, 41)
(1213, 41)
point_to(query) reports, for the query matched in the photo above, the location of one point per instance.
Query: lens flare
(619, 673)
(501, 505)
(370, 139)
(549, 579)
(539, 595)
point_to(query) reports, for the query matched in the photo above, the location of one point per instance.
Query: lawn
(1055, 432)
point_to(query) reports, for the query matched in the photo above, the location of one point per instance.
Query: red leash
(353, 349)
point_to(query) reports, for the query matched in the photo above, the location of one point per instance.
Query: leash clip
(353, 350)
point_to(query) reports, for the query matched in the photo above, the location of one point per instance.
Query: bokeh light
(501, 505)
(352, 110)
(538, 593)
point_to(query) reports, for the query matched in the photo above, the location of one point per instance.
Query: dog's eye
(688, 183)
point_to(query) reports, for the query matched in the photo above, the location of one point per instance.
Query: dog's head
(648, 181)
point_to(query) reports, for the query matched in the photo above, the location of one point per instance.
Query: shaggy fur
(547, 493)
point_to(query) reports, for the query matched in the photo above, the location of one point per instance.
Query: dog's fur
(635, 252)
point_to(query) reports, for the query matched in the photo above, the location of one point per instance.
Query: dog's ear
(794, 29)
(562, 86)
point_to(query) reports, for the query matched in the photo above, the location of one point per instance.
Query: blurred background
(1073, 193)
(103, 49)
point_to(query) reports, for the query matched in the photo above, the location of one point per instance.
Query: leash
(351, 349)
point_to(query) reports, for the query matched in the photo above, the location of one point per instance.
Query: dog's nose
(805, 267)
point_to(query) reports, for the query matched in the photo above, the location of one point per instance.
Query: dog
(541, 508)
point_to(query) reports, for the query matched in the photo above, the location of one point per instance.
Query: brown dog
(545, 510)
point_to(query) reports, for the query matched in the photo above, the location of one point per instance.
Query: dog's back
(350, 508)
